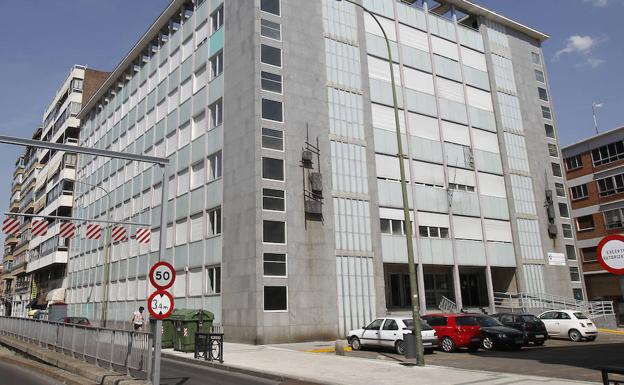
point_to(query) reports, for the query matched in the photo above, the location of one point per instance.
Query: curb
(611, 331)
(236, 369)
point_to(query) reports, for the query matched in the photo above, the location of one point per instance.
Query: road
(13, 374)
(181, 373)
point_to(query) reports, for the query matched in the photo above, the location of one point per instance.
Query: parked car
(496, 335)
(569, 323)
(455, 331)
(81, 321)
(388, 332)
(532, 327)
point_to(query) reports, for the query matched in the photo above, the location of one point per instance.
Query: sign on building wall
(556, 259)
(611, 253)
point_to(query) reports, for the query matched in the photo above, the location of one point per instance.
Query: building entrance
(473, 289)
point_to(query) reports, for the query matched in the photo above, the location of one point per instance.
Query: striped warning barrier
(143, 235)
(10, 225)
(119, 234)
(39, 227)
(68, 230)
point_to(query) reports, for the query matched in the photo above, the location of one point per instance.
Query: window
(552, 150)
(375, 325)
(578, 294)
(216, 113)
(272, 110)
(274, 265)
(613, 219)
(539, 76)
(609, 153)
(570, 252)
(578, 192)
(273, 168)
(550, 130)
(462, 187)
(213, 280)
(216, 65)
(270, 29)
(270, 6)
(273, 232)
(575, 276)
(585, 223)
(589, 254)
(213, 219)
(560, 189)
(563, 210)
(435, 320)
(556, 169)
(466, 321)
(270, 55)
(271, 82)
(567, 231)
(573, 162)
(214, 166)
(273, 200)
(611, 185)
(392, 226)
(433, 232)
(543, 94)
(536, 58)
(275, 298)
(216, 19)
(546, 112)
(198, 126)
(197, 175)
(390, 324)
(272, 139)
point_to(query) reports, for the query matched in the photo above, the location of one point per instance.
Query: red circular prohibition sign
(153, 271)
(603, 242)
(160, 316)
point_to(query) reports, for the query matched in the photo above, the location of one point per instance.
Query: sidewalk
(289, 362)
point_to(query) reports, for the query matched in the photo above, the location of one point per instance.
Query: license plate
(539, 336)
(476, 339)
(427, 343)
(519, 340)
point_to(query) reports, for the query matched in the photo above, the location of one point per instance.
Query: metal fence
(524, 302)
(123, 351)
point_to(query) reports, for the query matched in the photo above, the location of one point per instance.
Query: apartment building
(284, 212)
(595, 179)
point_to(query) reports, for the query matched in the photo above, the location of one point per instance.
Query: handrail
(524, 301)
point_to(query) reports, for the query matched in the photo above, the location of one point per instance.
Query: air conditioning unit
(552, 231)
(306, 158)
(316, 182)
(313, 207)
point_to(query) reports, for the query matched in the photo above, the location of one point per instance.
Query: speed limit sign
(160, 304)
(162, 275)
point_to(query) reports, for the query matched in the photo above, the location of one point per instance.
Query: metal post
(420, 356)
(161, 249)
(106, 278)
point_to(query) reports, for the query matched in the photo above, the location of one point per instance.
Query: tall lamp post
(420, 357)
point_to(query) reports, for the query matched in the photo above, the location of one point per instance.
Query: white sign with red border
(162, 275)
(611, 253)
(160, 304)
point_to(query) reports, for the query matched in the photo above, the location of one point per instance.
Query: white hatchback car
(569, 323)
(388, 332)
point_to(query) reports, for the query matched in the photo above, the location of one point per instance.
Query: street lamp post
(420, 357)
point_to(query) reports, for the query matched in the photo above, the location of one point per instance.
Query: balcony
(22, 286)
(11, 240)
(58, 256)
(15, 206)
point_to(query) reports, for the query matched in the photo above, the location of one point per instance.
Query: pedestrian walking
(138, 319)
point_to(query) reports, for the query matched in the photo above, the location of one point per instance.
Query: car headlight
(502, 335)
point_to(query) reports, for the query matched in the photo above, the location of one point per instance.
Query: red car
(455, 331)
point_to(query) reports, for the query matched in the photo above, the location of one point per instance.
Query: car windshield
(529, 318)
(580, 315)
(409, 323)
(488, 321)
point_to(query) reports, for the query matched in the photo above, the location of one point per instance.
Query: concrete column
(457, 287)
(422, 299)
(490, 288)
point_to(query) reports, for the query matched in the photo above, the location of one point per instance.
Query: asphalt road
(181, 373)
(558, 358)
(13, 374)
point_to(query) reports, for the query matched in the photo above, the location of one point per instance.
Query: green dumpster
(167, 332)
(185, 323)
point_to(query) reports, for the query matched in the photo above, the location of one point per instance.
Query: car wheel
(488, 343)
(399, 346)
(355, 343)
(448, 345)
(575, 335)
(539, 343)
(592, 338)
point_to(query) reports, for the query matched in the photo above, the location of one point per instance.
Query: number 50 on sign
(162, 275)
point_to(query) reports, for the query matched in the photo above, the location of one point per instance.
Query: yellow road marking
(326, 350)
(612, 331)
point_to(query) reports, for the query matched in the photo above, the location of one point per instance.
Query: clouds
(583, 45)
(598, 3)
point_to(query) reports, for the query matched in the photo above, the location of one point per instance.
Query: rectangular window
(560, 189)
(433, 232)
(609, 153)
(556, 169)
(613, 219)
(214, 166)
(213, 280)
(611, 185)
(272, 110)
(573, 162)
(567, 231)
(275, 298)
(546, 112)
(392, 226)
(270, 6)
(550, 131)
(543, 94)
(197, 175)
(271, 82)
(539, 76)
(274, 232)
(575, 276)
(570, 252)
(536, 58)
(552, 150)
(214, 222)
(270, 29)
(272, 139)
(585, 223)
(216, 19)
(270, 55)
(563, 210)
(273, 200)
(578, 192)
(274, 265)
(589, 254)
(216, 113)
(273, 168)
(216, 65)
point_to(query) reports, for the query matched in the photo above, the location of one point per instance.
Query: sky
(584, 57)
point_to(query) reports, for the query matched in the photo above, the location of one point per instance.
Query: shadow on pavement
(174, 380)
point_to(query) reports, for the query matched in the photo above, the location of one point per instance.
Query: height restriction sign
(160, 304)
(162, 275)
